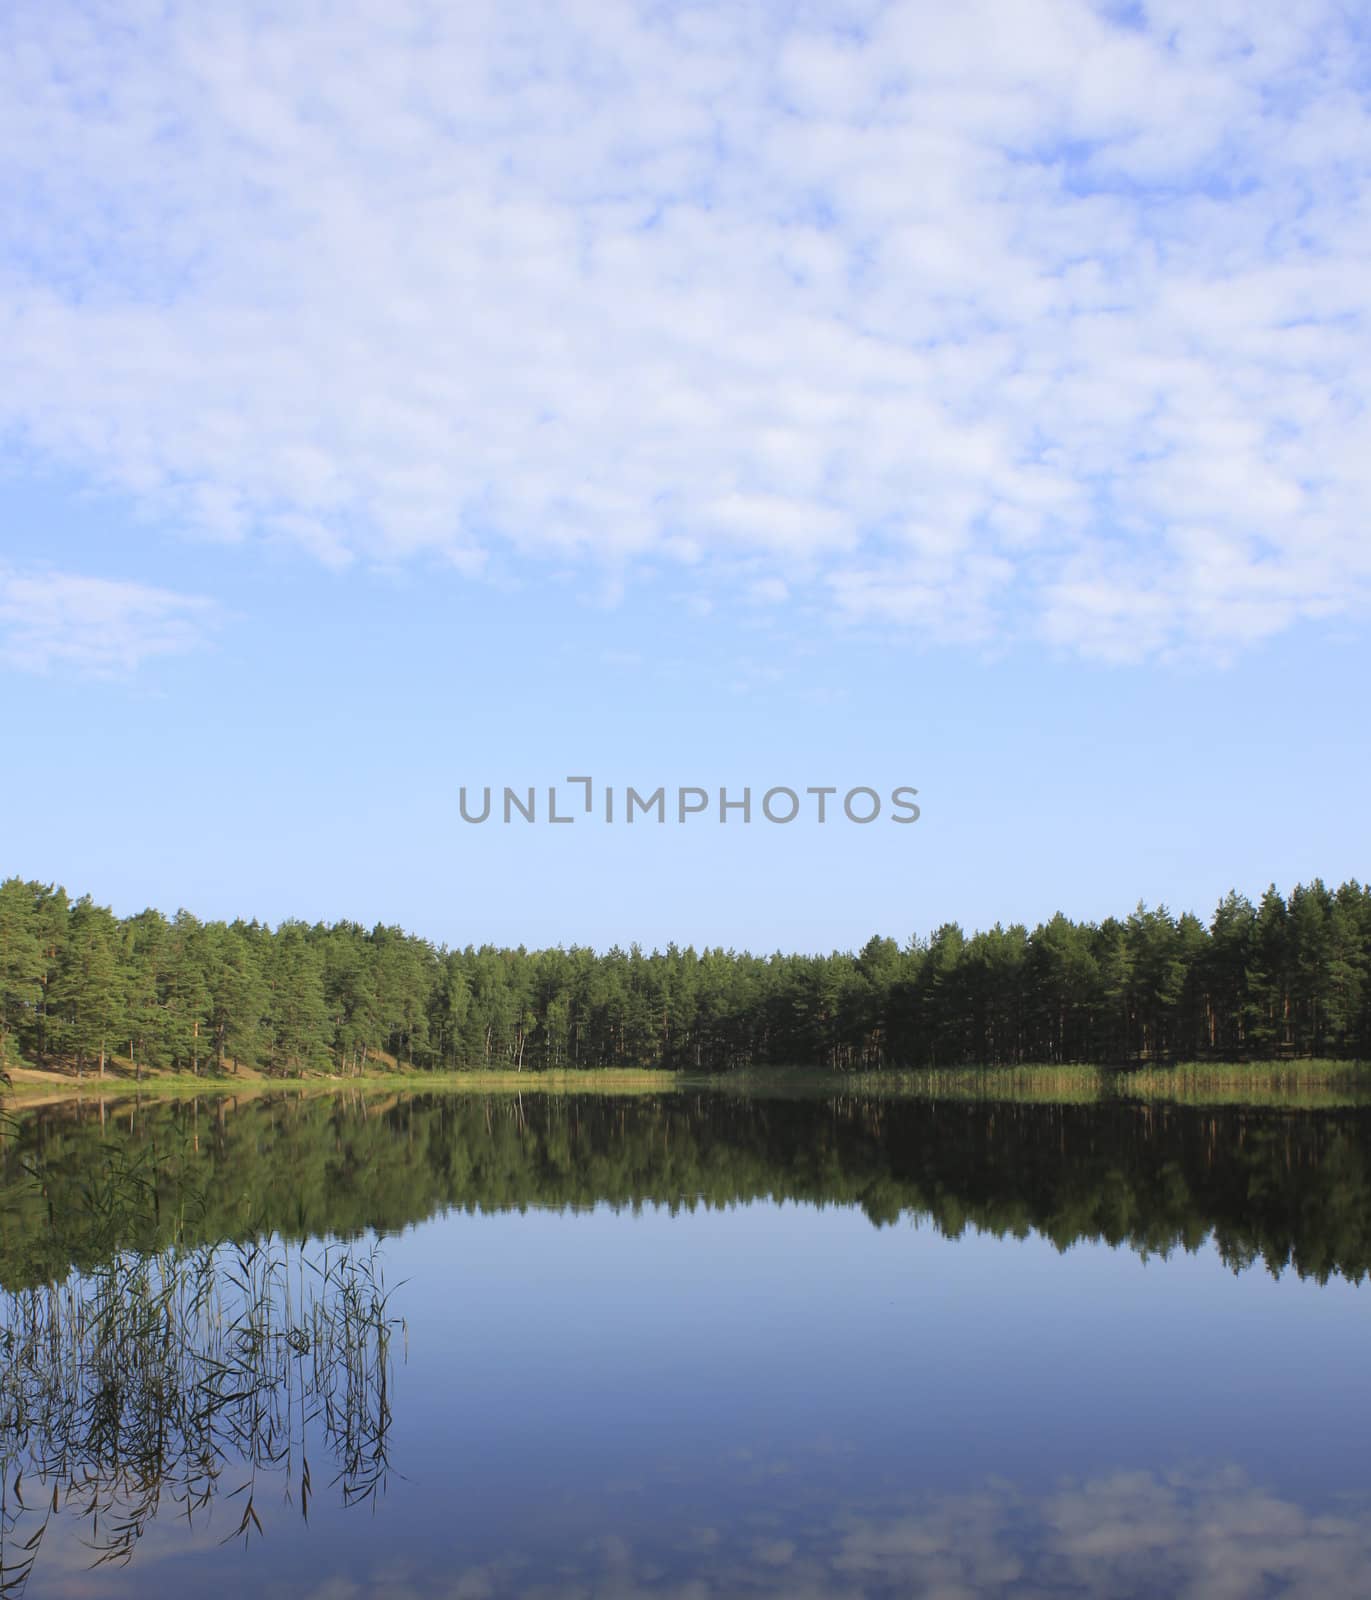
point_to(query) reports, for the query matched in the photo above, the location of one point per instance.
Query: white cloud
(1081, 300)
(1198, 1536)
(93, 625)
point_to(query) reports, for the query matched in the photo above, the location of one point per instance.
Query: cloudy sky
(400, 396)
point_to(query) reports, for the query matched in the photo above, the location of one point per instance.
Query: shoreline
(28, 1083)
(1310, 1084)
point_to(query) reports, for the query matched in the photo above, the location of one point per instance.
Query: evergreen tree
(1287, 978)
(297, 1016)
(21, 966)
(83, 998)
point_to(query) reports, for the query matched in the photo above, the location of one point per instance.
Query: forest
(1286, 977)
(1286, 1192)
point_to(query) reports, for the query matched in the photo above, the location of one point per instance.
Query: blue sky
(395, 397)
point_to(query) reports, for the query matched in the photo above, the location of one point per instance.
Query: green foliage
(1284, 980)
(1291, 1191)
(21, 963)
(84, 999)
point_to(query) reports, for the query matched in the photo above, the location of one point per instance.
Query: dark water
(685, 1346)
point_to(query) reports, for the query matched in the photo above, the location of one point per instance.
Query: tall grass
(174, 1376)
(1311, 1085)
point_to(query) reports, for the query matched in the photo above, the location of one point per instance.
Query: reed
(182, 1374)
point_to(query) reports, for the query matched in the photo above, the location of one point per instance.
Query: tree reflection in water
(184, 1373)
(172, 1334)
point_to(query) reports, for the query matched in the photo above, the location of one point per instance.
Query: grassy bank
(30, 1083)
(1303, 1083)
(1307, 1084)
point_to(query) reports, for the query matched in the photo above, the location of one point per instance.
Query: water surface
(696, 1345)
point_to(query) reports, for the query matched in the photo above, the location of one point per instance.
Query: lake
(684, 1345)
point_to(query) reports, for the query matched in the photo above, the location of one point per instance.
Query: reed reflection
(165, 1379)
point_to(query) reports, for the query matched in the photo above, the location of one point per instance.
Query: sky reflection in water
(781, 1398)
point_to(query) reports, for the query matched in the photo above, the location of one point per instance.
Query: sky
(396, 397)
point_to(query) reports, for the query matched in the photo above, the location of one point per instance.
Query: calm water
(686, 1346)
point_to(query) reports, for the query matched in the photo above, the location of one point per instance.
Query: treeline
(1265, 1187)
(1286, 977)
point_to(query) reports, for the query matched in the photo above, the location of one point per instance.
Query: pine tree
(83, 996)
(21, 966)
(143, 958)
(298, 1016)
